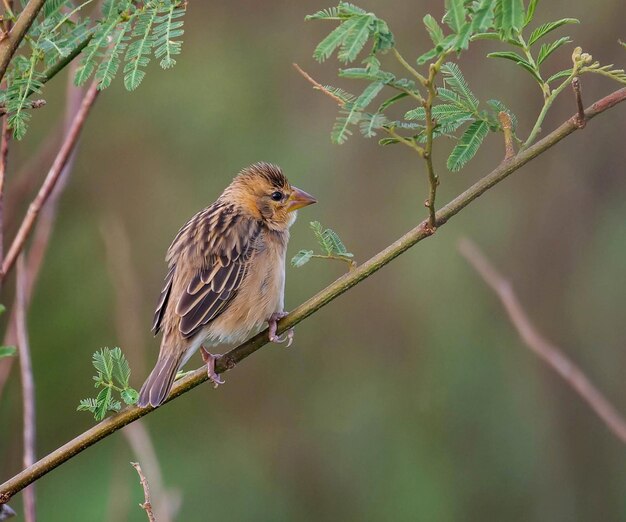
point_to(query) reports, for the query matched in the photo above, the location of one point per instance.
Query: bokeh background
(410, 397)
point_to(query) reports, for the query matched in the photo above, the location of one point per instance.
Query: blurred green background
(410, 397)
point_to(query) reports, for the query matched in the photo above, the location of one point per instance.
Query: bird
(225, 274)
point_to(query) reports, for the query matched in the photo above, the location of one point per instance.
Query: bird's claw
(210, 359)
(273, 325)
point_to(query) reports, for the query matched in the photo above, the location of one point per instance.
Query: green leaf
(560, 75)
(138, 53)
(355, 38)
(167, 29)
(361, 73)
(121, 368)
(508, 55)
(87, 405)
(318, 232)
(482, 19)
(301, 258)
(427, 56)
(345, 96)
(108, 67)
(468, 145)
(334, 243)
(90, 54)
(509, 17)
(455, 80)
(352, 113)
(332, 13)
(7, 351)
(435, 32)
(103, 401)
(455, 14)
(544, 29)
(390, 101)
(371, 123)
(368, 95)
(547, 50)
(530, 12)
(103, 362)
(463, 39)
(129, 396)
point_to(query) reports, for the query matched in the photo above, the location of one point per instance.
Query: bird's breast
(260, 295)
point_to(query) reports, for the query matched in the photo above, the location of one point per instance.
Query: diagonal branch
(51, 180)
(549, 353)
(335, 289)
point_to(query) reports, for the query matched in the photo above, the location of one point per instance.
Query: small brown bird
(226, 274)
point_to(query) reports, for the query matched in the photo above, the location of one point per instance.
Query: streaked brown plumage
(226, 273)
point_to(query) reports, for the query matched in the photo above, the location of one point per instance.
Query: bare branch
(51, 179)
(34, 104)
(580, 117)
(146, 492)
(28, 386)
(318, 86)
(315, 303)
(547, 352)
(507, 129)
(4, 155)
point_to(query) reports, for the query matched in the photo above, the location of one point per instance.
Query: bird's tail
(160, 381)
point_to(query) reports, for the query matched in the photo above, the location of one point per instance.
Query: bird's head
(264, 193)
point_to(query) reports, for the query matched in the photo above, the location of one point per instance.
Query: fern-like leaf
(108, 67)
(468, 145)
(454, 78)
(547, 50)
(301, 258)
(546, 28)
(167, 28)
(138, 53)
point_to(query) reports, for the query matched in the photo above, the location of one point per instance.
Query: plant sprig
(113, 375)
(331, 245)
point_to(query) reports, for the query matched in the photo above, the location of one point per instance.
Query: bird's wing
(211, 254)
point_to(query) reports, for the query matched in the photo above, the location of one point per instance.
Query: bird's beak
(298, 199)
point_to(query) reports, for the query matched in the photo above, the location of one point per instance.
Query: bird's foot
(273, 325)
(210, 359)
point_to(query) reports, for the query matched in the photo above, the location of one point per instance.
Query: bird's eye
(277, 196)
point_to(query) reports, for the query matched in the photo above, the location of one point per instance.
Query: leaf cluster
(330, 244)
(113, 376)
(458, 116)
(126, 31)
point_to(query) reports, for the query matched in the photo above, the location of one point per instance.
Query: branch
(146, 492)
(28, 385)
(4, 154)
(332, 291)
(549, 353)
(9, 45)
(51, 180)
(35, 104)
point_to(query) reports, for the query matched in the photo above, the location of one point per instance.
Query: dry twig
(28, 386)
(549, 353)
(147, 505)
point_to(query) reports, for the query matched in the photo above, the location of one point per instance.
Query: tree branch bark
(335, 289)
(549, 353)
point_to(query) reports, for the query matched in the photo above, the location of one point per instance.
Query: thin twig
(4, 155)
(580, 117)
(420, 78)
(228, 361)
(507, 130)
(318, 86)
(34, 104)
(28, 386)
(9, 45)
(51, 179)
(146, 492)
(546, 351)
